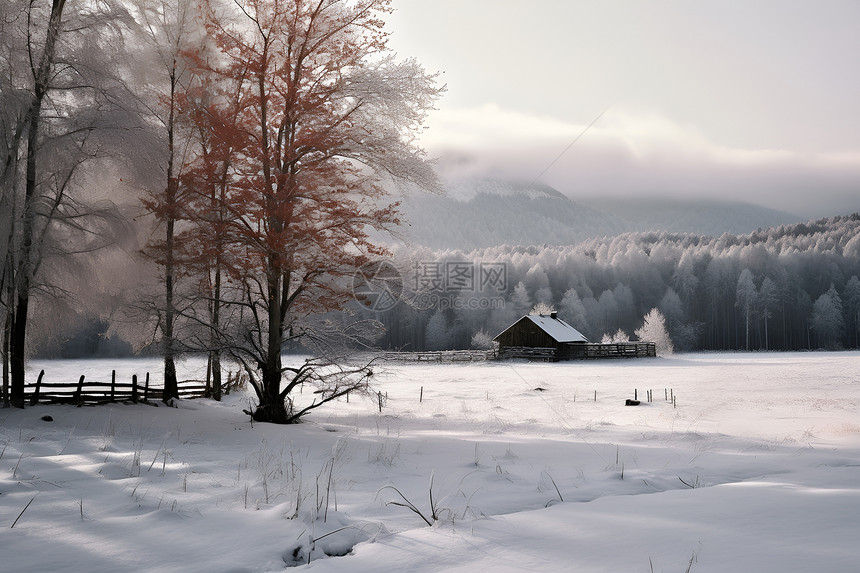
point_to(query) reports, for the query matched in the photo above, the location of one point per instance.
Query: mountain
(478, 213)
(701, 216)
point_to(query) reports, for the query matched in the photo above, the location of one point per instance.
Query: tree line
(791, 287)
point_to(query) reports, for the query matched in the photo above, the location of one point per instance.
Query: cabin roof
(556, 328)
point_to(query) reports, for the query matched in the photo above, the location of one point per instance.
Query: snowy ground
(756, 469)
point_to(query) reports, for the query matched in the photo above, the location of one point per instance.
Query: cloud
(635, 152)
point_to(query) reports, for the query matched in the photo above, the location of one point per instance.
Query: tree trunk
(9, 288)
(214, 326)
(16, 351)
(22, 305)
(272, 407)
(171, 386)
(214, 370)
(215, 358)
(7, 333)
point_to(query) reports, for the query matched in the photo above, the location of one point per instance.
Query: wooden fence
(85, 392)
(529, 353)
(441, 356)
(581, 351)
(615, 350)
(575, 351)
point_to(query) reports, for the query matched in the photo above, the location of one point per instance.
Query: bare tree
(171, 30)
(60, 96)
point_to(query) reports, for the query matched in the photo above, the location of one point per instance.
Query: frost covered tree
(746, 296)
(851, 300)
(654, 330)
(437, 335)
(329, 117)
(768, 297)
(544, 296)
(607, 312)
(542, 308)
(520, 301)
(617, 338)
(572, 311)
(827, 319)
(683, 334)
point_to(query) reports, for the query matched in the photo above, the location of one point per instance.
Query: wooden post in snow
(35, 398)
(78, 392)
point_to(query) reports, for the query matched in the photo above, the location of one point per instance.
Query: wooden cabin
(547, 337)
(539, 336)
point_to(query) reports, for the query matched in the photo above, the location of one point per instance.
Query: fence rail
(590, 350)
(579, 351)
(528, 352)
(85, 392)
(615, 350)
(441, 356)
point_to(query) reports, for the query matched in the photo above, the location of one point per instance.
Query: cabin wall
(526, 333)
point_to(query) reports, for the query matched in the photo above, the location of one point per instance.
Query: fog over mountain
(699, 216)
(476, 213)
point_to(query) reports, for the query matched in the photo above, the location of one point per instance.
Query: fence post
(79, 390)
(35, 398)
(134, 388)
(146, 390)
(207, 390)
(113, 385)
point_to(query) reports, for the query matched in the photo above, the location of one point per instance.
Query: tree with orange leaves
(323, 120)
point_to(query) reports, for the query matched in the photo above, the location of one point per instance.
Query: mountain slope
(702, 216)
(481, 213)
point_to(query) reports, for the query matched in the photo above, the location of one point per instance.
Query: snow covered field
(757, 468)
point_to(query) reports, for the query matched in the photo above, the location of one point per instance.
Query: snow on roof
(558, 329)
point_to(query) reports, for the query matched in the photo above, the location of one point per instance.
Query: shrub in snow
(482, 341)
(617, 338)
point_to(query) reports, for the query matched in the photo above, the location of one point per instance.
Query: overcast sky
(757, 100)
